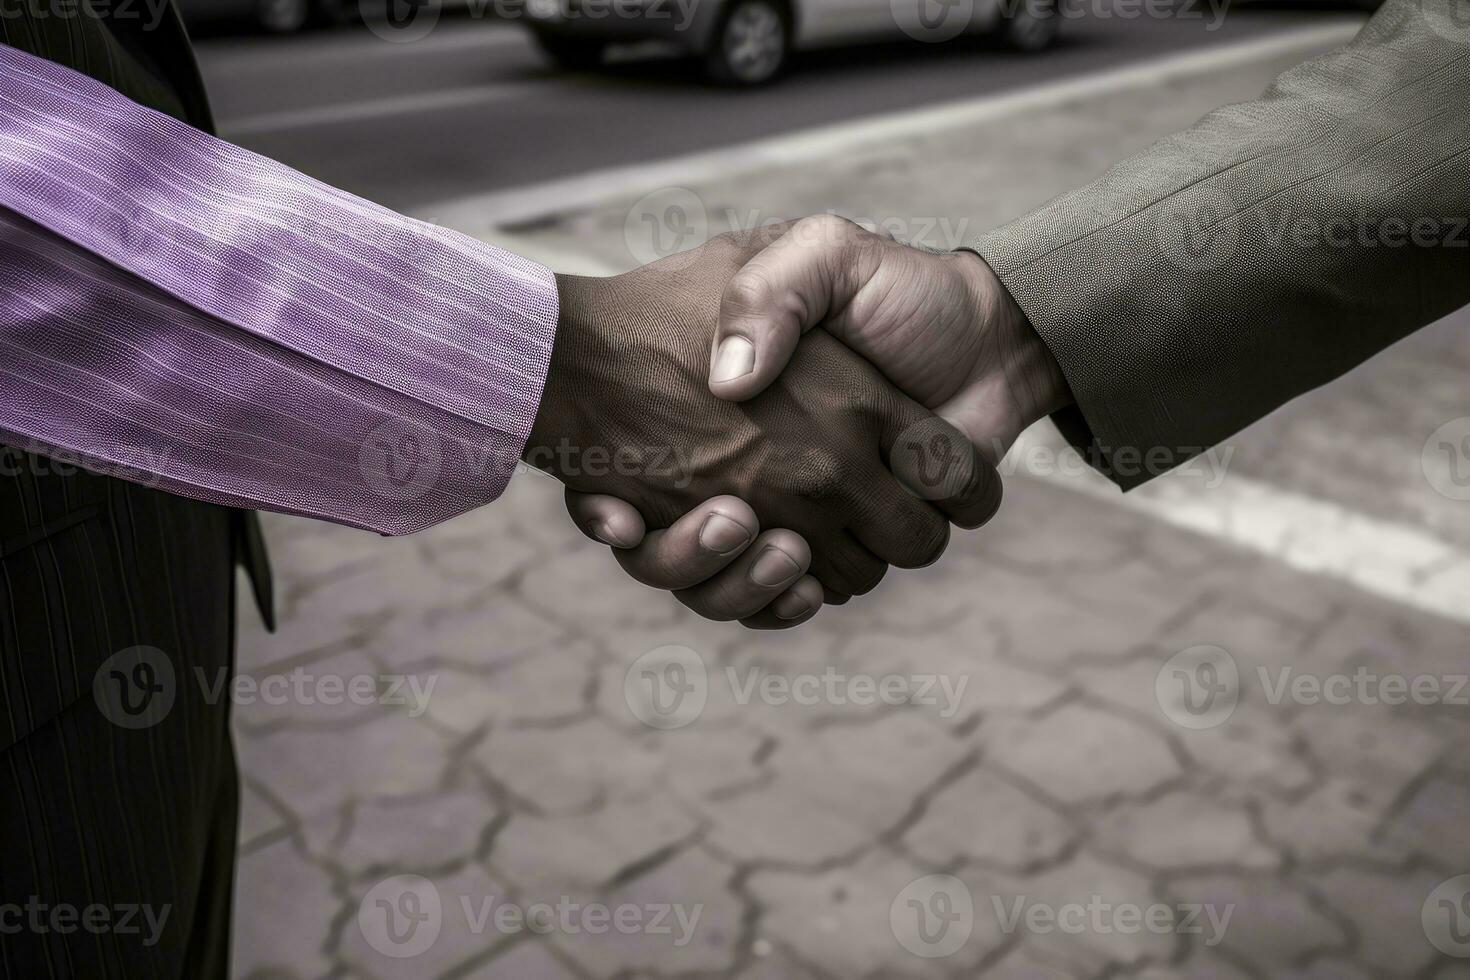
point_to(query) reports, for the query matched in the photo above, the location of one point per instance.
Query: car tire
(575, 53)
(1033, 26)
(751, 44)
(283, 16)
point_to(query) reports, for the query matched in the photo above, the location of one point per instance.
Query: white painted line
(534, 201)
(1398, 562)
(355, 44)
(1401, 563)
(325, 115)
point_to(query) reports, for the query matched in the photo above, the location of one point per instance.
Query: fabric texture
(1229, 268)
(245, 334)
(94, 812)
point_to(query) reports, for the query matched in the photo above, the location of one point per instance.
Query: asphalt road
(474, 108)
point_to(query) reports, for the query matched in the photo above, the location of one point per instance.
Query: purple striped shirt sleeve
(179, 310)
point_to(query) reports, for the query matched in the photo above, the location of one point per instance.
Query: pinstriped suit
(92, 813)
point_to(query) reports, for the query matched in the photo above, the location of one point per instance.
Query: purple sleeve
(178, 310)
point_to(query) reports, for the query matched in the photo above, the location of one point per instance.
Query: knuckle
(748, 290)
(824, 476)
(826, 229)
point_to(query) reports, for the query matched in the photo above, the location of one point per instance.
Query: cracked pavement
(996, 749)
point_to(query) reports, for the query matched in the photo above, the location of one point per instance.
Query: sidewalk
(1096, 769)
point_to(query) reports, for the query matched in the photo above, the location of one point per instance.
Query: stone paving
(1058, 776)
(1085, 744)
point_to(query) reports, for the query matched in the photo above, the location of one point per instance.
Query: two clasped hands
(838, 399)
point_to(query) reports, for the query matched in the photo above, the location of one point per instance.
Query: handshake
(835, 398)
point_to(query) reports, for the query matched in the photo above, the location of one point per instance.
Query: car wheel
(1032, 26)
(577, 53)
(283, 16)
(751, 44)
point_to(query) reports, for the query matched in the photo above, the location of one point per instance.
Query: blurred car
(748, 42)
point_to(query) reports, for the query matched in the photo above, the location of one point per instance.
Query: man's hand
(940, 326)
(627, 413)
(705, 559)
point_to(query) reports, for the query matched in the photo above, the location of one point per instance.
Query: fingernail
(722, 535)
(790, 605)
(736, 359)
(774, 567)
(606, 536)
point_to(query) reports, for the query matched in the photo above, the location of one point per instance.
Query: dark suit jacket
(155, 67)
(91, 566)
(1231, 267)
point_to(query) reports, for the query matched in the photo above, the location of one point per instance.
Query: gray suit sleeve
(1274, 245)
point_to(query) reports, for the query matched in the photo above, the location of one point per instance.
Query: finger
(844, 566)
(697, 546)
(816, 267)
(606, 519)
(753, 581)
(935, 462)
(899, 528)
(793, 607)
(834, 598)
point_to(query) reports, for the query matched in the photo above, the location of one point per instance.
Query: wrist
(1025, 379)
(556, 415)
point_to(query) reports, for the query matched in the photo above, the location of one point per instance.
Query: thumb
(786, 289)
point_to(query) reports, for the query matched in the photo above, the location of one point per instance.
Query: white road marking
(1398, 562)
(324, 115)
(351, 46)
(519, 204)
